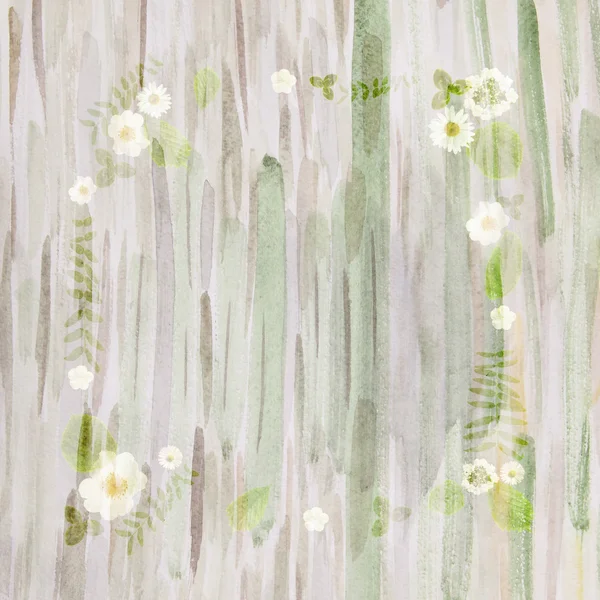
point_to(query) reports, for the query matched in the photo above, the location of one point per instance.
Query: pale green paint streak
(479, 33)
(569, 46)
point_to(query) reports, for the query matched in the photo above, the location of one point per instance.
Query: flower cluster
(485, 96)
(480, 476)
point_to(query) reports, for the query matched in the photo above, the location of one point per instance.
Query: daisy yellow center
(488, 223)
(114, 486)
(512, 473)
(170, 457)
(127, 134)
(83, 190)
(478, 476)
(154, 99)
(452, 129)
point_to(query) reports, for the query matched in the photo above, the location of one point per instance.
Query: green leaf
(156, 62)
(441, 79)
(504, 363)
(447, 498)
(105, 177)
(510, 453)
(517, 439)
(195, 474)
(381, 506)
(511, 404)
(83, 440)
(124, 169)
(508, 390)
(94, 527)
(94, 135)
(316, 82)
(160, 514)
(477, 404)
(122, 532)
(83, 222)
(171, 148)
(482, 381)
(77, 294)
(78, 277)
(103, 157)
(440, 100)
(76, 316)
(92, 316)
(74, 335)
(141, 515)
(459, 87)
(504, 267)
(497, 150)
(130, 546)
(131, 523)
(160, 494)
(246, 512)
(483, 370)
(92, 340)
(124, 83)
(206, 87)
(88, 254)
(116, 92)
(75, 354)
(328, 93)
(89, 271)
(330, 80)
(87, 122)
(511, 510)
(506, 377)
(94, 112)
(379, 528)
(72, 515)
(401, 513)
(106, 105)
(75, 533)
(482, 447)
(140, 536)
(151, 524)
(483, 392)
(89, 356)
(512, 421)
(476, 435)
(494, 354)
(480, 422)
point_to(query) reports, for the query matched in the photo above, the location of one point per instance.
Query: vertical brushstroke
(197, 501)
(458, 345)
(594, 6)
(580, 323)
(44, 321)
(206, 353)
(267, 344)
(15, 30)
(569, 46)
(207, 228)
(532, 94)
(37, 38)
(367, 247)
(241, 57)
(231, 148)
(478, 32)
(143, 29)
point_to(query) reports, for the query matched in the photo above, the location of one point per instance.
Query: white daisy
(127, 132)
(315, 519)
(512, 473)
(452, 130)
(80, 378)
(82, 190)
(502, 317)
(479, 477)
(487, 224)
(111, 488)
(170, 457)
(153, 100)
(489, 94)
(283, 81)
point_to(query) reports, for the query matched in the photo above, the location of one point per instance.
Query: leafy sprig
(359, 89)
(326, 84)
(443, 82)
(86, 292)
(106, 175)
(80, 526)
(497, 401)
(381, 508)
(512, 205)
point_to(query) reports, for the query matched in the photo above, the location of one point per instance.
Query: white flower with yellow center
(512, 473)
(502, 317)
(487, 224)
(170, 457)
(479, 477)
(82, 190)
(489, 94)
(111, 489)
(283, 81)
(153, 100)
(452, 130)
(127, 132)
(80, 377)
(315, 519)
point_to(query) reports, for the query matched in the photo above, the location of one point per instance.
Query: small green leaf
(328, 93)
(512, 421)
(316, 82)
(482, 381)
(88, 254)
(130, 546)
(74, 534)
(506, 377)
(483, 370)
(106, 105)
(477, 404)
(94, 112)
(74, 318)
(74, 335)
(92, 316)
(105, 177)
(512, 405)
(94, 527)
(379, 528)
(131, 523)
(103, 157)
(247, 511)
(72, 515)
(140, 536)
(92, 340)
(476, 435)
(172, 148)
(206, 87)
(89, 356)
(78, 277)
(156, 62)
(508, 390)
(77, 294)
(116, 93)
(94, 135)
(151, 524)
(122, 532)
(330, 80)
(124, 83)
(381, 506)
(401, 513)
(141, 515)
(195, 474)
(124, 169)
(480, 422)
(87, 122)
(75, 354)
(83, 222)
(483, 392)
(441, 79)
(447, 498)
(160, 514)
(511, 510)
(482, 447)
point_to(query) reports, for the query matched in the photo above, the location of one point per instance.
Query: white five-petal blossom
(487, 224)
(80, 377)
(489, 94)
(170, 457)
(283, 81)
(512, 473)
(153, 100)
(502, 317)
(128, 134)
(111, 489)
(479, 477)
(452, 130)
(315, 519)
(82, 190)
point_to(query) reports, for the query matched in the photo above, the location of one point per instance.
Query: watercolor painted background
(259, 338)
